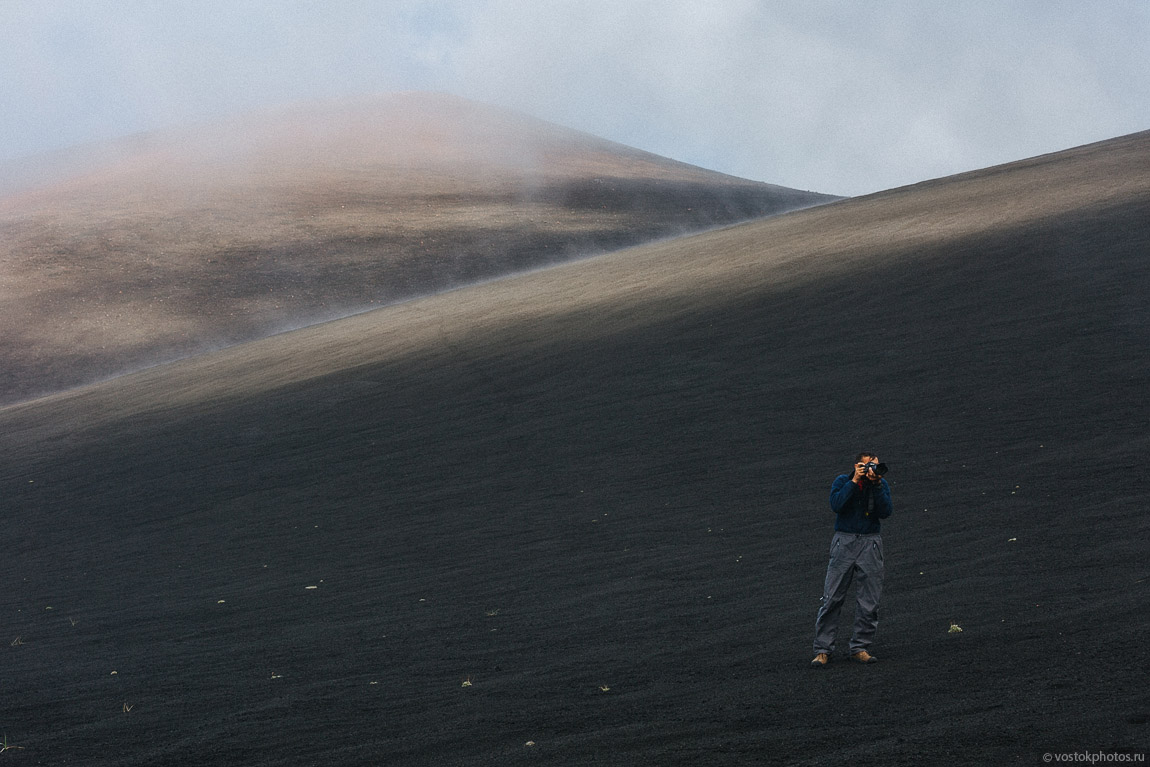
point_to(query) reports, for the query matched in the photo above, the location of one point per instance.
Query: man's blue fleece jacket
(859, 509)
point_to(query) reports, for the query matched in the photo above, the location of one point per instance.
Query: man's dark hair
(859, 457)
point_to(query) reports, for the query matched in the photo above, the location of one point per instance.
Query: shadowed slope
(598, 492)
(174, 243)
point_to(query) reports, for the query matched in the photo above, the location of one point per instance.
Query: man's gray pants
(851, 555)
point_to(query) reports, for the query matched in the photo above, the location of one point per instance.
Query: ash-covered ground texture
(122, 255)
(586, 508)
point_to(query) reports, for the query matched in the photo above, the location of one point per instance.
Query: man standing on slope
(859, 500)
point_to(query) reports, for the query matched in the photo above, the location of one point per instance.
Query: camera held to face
(878, 468)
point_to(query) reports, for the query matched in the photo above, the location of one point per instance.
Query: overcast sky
(840, 96)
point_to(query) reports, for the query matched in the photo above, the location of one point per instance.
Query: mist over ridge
(167, 244)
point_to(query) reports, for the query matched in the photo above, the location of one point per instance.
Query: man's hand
(863, 473)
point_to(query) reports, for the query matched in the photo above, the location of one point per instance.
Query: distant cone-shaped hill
(175, 242)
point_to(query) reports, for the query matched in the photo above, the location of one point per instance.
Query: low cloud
(844, 99)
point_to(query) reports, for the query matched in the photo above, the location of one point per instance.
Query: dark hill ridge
(169, 244)
(597, 493)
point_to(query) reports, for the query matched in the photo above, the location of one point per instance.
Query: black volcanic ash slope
(597, 494)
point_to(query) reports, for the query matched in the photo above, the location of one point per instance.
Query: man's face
(869, 473)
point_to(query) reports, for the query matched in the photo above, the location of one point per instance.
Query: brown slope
(613, 474)
(173, 243)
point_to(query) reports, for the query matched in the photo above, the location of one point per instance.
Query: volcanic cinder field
(579, 516)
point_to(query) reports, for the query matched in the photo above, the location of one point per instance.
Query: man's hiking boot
(821, 660)
(862, 656)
